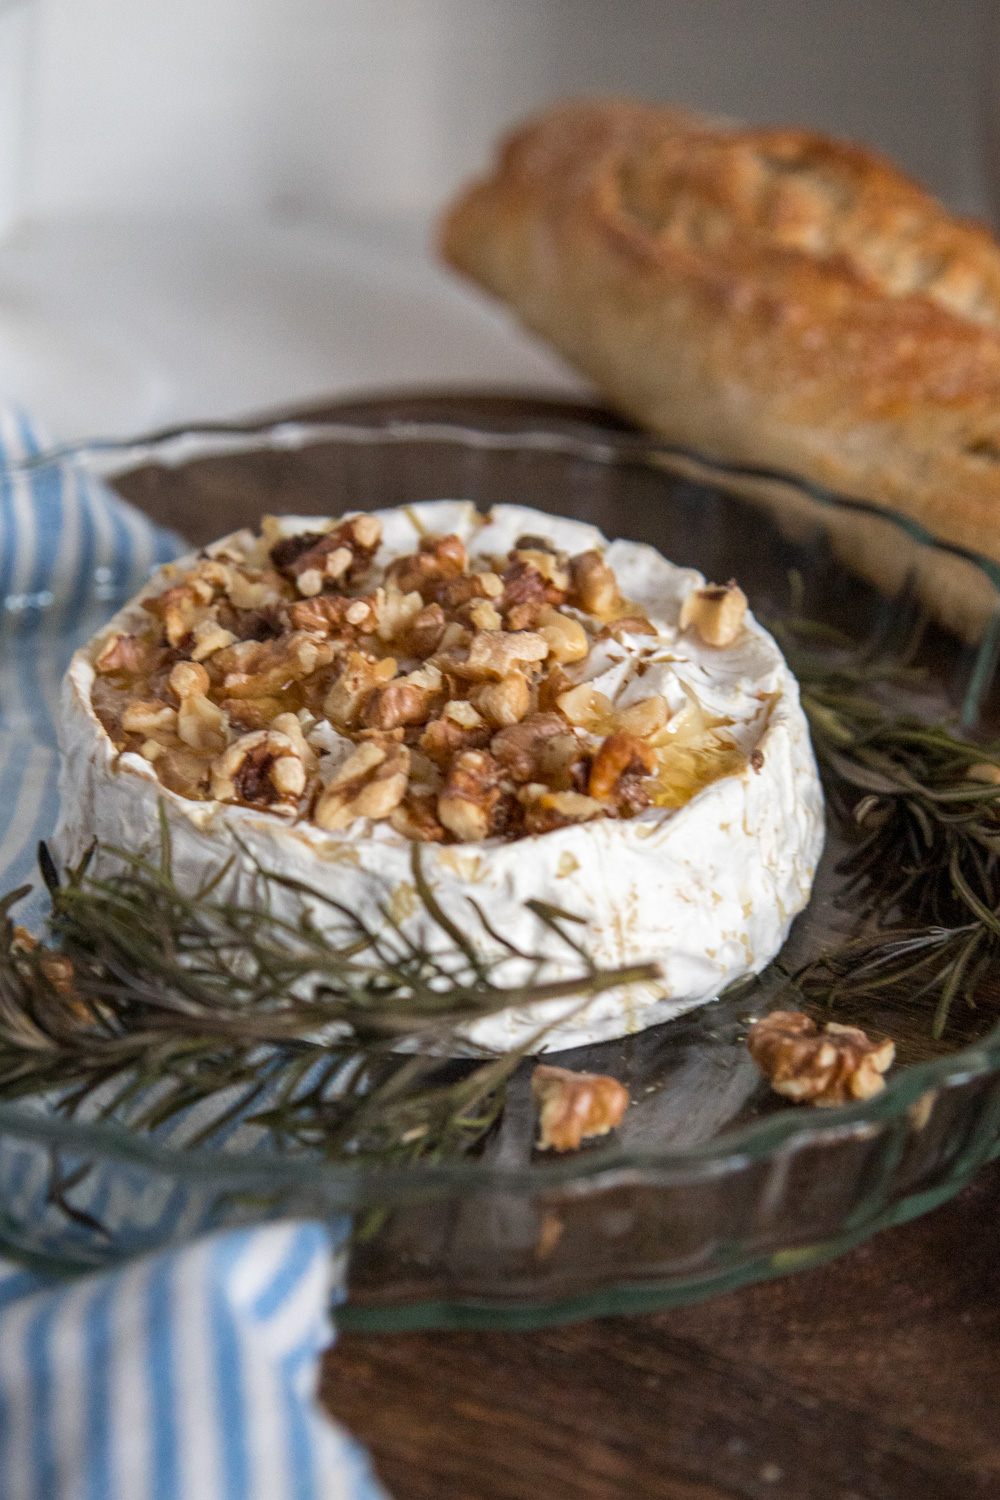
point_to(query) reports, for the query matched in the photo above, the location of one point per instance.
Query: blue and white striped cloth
(71, 553)
(190, 1374)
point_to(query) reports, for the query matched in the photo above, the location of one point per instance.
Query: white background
(216, 204)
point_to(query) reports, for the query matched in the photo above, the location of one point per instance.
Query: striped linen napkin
(189, 1374)
(71, 553)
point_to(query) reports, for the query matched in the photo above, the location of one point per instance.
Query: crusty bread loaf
(767, 297)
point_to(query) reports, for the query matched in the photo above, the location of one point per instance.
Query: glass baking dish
(712, 1181)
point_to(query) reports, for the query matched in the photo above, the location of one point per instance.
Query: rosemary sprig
(152, 1005)
(923, 872)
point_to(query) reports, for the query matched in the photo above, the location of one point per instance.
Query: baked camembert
(548, 715)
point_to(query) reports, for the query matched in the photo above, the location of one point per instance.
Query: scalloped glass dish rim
(348, 1186)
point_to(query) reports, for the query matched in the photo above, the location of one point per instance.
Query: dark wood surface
(874, 1378)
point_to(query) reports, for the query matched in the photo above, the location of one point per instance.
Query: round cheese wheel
(708, 888)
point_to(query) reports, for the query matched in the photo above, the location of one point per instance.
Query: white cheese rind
(709, 889)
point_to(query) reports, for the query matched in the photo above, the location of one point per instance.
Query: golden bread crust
(768, 297)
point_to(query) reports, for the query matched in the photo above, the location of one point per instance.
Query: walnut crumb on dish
(835, 1065)
(573, 1107)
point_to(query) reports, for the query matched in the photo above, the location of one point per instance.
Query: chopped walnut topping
(370, 784)
(127, 653)
(832, 1066)
(399, 702)
(181, 607)
(443, 739)
(716, 613)
(266, 767)
(254, 590)
(361, 677)
(209, 637)
(398, 614)
(519, 748)
(565, 637)
(312, 558)
(647, 717)
(573, 1107)
(439, 558)
(593, 585)
(484, 617)
(528, 589)
(461, 712)
(544, 561)
(416, 818)
(619, 755)
(425, 632)
(563, 763)
(626, 625)
(584, 706)
(259, 669)
(148, 718)
(471, 793)
(496, 653)
(251, 713)
(200, 722)
(462, 684)
(545, 810)
(333, 616)
(504, 702)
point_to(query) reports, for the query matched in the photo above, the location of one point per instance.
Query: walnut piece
(531, 583)
(370, 784)
(545, 810)
(200, 722)
(439, 558)
(261, 669)
(828, 1067)
(519, 747)
(209, 637)
(498, 653)
(619, 755)
(593, 585)
(716, 613)
(399, 702)
(342, 553)
(504, 702)
(465, 806)
(149, 718)
(362, 675)
(584, 706)
(646, 717)
(398, 612)
(566, 638)
(574, 1106)
(626, 625)
(126, 653)
(268, 767)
